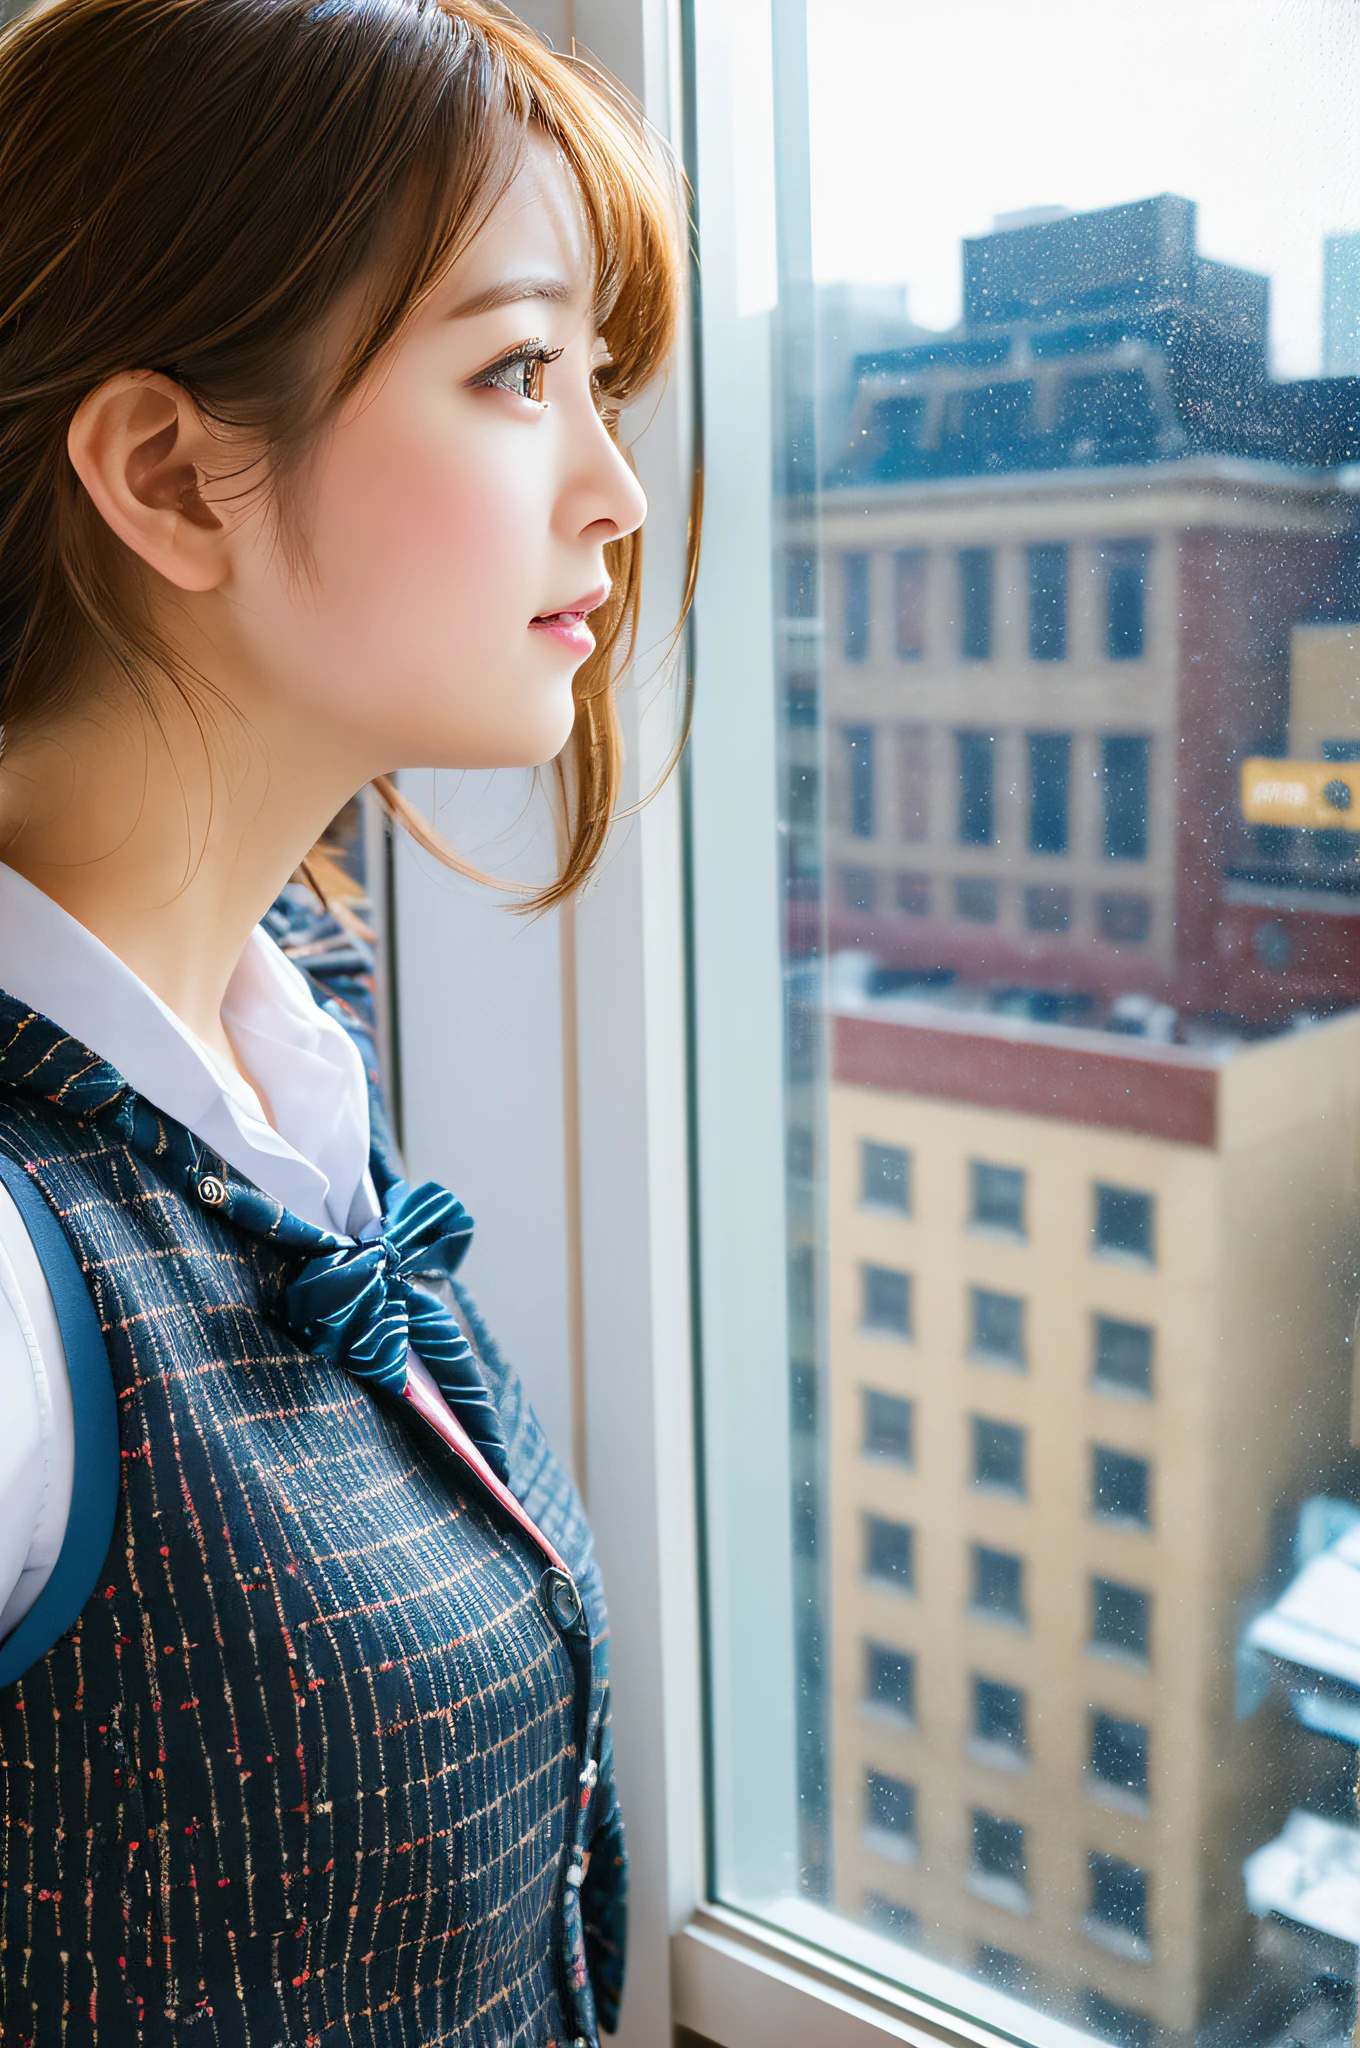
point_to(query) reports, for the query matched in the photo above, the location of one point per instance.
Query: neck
(166, 834)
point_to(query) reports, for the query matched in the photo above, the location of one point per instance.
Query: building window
(887, 1427)
(890, 1681)
(800, 1153)
(800, 583)
(1123, 1357)
(998, 1584)
(976, 579)
(890, 1917)
(909, 591)
(975, 900)
(1048, 603)
(998, 1197)
(1048, 910)
(998, 1330)
(998, 1455)
(975, 754)
(800, 806)
(889, 1814)
(859, 765)
(1050, 766)
(801, 701)
(1126, 564)
(885, 1177)
(998, 1856)
(1121, 1486)
(1119, 1899)
(859, 890)
(1124, 1222)
(855, 592)
(1121, 1618)
(1124, 789)
(913, 784)
(1119, 1754)
(890, 1553)
(999, 1967)
(999, 1715)
(1111, 2022)
(1124, 920)
(886, 1300)
(913, 895)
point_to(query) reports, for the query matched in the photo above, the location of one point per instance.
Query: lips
(573, 616)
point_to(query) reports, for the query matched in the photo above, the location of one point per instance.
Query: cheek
(422, 546)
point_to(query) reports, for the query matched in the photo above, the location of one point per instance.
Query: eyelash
(531, 357)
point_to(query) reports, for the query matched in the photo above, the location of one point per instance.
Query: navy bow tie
(358, 1304)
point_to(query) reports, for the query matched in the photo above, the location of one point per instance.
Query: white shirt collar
(313, 1158)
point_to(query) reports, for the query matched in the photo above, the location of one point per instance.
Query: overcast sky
(931, 116)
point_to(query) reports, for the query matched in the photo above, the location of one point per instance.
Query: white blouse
(313, 1157)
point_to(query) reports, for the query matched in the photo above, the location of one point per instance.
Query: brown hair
(190, 186)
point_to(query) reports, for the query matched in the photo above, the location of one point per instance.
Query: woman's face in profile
(455, 516)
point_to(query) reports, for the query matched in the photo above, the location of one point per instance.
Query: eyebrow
(511, 291)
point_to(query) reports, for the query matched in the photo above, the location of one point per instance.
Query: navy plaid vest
(319, 1765)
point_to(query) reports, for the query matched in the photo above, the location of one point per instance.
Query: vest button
(560, 1599)
(212, 1192)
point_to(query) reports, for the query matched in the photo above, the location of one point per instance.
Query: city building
(1341, 305)
(1089, 1323)
(1092, 1206)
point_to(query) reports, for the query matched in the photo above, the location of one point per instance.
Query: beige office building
(1089, 1301)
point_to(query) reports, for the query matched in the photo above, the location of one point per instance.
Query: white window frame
(544, 1071)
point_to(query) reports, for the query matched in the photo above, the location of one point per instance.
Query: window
(1119, 1754)
(975, 900)
(1047, 603)
(1125, 598)
(909, 590)
(975, 788)
(887, 1427)
(885, 1176)
(998, 1584)
(1123, 1357)
(1121, 1486)
(889, 1814)
(888, 1917)
(890, 1681)
(889, 1553)
(1119, 1899)
(998, 1326)
(800, 583)
(998, 1455)
(999, 1715)
(913, 784)
(801, 1152)
(855, 598)
(1048, 910)
(975, 603)
(1116, 2023)
(999, 1857)
(1060, 970)
(998, 1198)
(1050, 767)
(1124, 920)
(859, 890)
(1124, 1222)
(1124, 786)
(887, 1300)
(1120, 1618)
(859, 760)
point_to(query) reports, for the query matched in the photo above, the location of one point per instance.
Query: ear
(141, 448)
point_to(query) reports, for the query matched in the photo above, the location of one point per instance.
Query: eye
(606, 405)
(520, 372)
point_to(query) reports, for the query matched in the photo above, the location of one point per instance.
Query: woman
(314, 319)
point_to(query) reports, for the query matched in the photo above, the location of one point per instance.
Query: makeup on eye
(519, 370)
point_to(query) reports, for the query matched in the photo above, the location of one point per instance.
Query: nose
(601, 498)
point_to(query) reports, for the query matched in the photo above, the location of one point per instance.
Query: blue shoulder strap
(94, 1492)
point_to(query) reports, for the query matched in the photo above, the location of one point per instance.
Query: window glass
(1025, 864)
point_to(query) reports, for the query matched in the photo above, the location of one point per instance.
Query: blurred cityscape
(1074, 1158)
